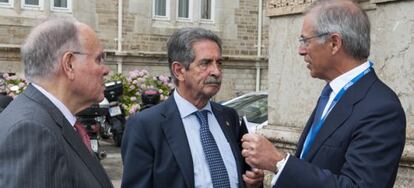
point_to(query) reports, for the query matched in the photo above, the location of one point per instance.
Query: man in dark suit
(4, 98)
(39, 147)
(188, 141)
(356, 134)
(4, 101)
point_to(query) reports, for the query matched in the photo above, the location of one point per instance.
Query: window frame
(61, 9)
(167, 11)
(9, 4)
(212, 17)
(32, 7)
(190, 11)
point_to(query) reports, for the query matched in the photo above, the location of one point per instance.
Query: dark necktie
(83, 134)
(316, 125)
(218, 171)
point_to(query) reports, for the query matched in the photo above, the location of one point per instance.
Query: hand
(253, 178)
(260, 152)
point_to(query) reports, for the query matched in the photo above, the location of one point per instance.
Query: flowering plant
(136, 82)
(14, 84)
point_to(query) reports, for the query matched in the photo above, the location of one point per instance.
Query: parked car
(252, 108)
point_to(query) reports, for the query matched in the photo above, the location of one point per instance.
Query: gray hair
(180, 46)
(45, 46)
(346, 18)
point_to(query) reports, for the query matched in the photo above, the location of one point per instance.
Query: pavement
(113, 161)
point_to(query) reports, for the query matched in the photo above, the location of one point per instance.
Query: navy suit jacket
(359, 145)
(155, 150)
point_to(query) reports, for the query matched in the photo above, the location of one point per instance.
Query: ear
(178, 70)
(336, 42)
(66, 65)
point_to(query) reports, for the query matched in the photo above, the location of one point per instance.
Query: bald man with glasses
(40, 142)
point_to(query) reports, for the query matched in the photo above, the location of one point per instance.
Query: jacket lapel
(226, 125)
(342, 111)
(70, 135)
(305, 132)
(174, 131)
(88, 159)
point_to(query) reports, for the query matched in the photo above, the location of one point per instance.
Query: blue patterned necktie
(316, 125)
(218, 171)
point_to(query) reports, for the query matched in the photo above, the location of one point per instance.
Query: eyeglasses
(305, 40)
(100, 58)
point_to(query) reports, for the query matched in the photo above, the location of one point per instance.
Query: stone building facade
(134, 33)
(293, 93)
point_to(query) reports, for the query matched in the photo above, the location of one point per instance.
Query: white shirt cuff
(280, 165)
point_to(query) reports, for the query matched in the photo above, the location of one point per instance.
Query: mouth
(308, 64)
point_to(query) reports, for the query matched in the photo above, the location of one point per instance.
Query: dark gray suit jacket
(39, 148)
(156, 153)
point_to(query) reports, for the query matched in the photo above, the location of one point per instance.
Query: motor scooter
(116, 117)
(150, 97)
(92, 118)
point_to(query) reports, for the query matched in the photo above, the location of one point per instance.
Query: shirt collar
(185, 107)
(338, 83)
(65, 111)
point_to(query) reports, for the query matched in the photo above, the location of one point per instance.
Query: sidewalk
(113, 161)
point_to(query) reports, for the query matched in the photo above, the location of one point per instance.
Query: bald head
(45, 46)
(346, 18)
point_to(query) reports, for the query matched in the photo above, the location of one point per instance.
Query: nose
(215, 69)
(302, 50)
(106, 70)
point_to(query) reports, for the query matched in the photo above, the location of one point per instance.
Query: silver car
(252, 108)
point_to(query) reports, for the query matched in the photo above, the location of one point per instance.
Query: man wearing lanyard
(356, 134)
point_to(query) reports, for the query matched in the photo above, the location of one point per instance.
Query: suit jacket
(39, 148)
(156, 152)
(359, 145)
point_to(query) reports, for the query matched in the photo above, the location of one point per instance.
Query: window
(6, 3)
(206, 9)
(183, 8)
(32, 4)
(61, 5)
(161, 8)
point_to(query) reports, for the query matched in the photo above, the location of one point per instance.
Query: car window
(256, 111)
(254, 107)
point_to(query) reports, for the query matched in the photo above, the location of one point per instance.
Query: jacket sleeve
(30, 155)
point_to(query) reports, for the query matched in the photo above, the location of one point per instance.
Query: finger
(250, 162)
(247, 137)
(257, 171)
(249, 173)
(248, 180)
(245, 153)
(252, 178)
(245, 145)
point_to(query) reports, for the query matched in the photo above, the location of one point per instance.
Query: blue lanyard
(317, 126)
(342, 91)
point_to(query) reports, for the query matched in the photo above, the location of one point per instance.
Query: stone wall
(293, 93)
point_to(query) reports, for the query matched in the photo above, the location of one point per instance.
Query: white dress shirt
(202, 178)
(65, 111)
